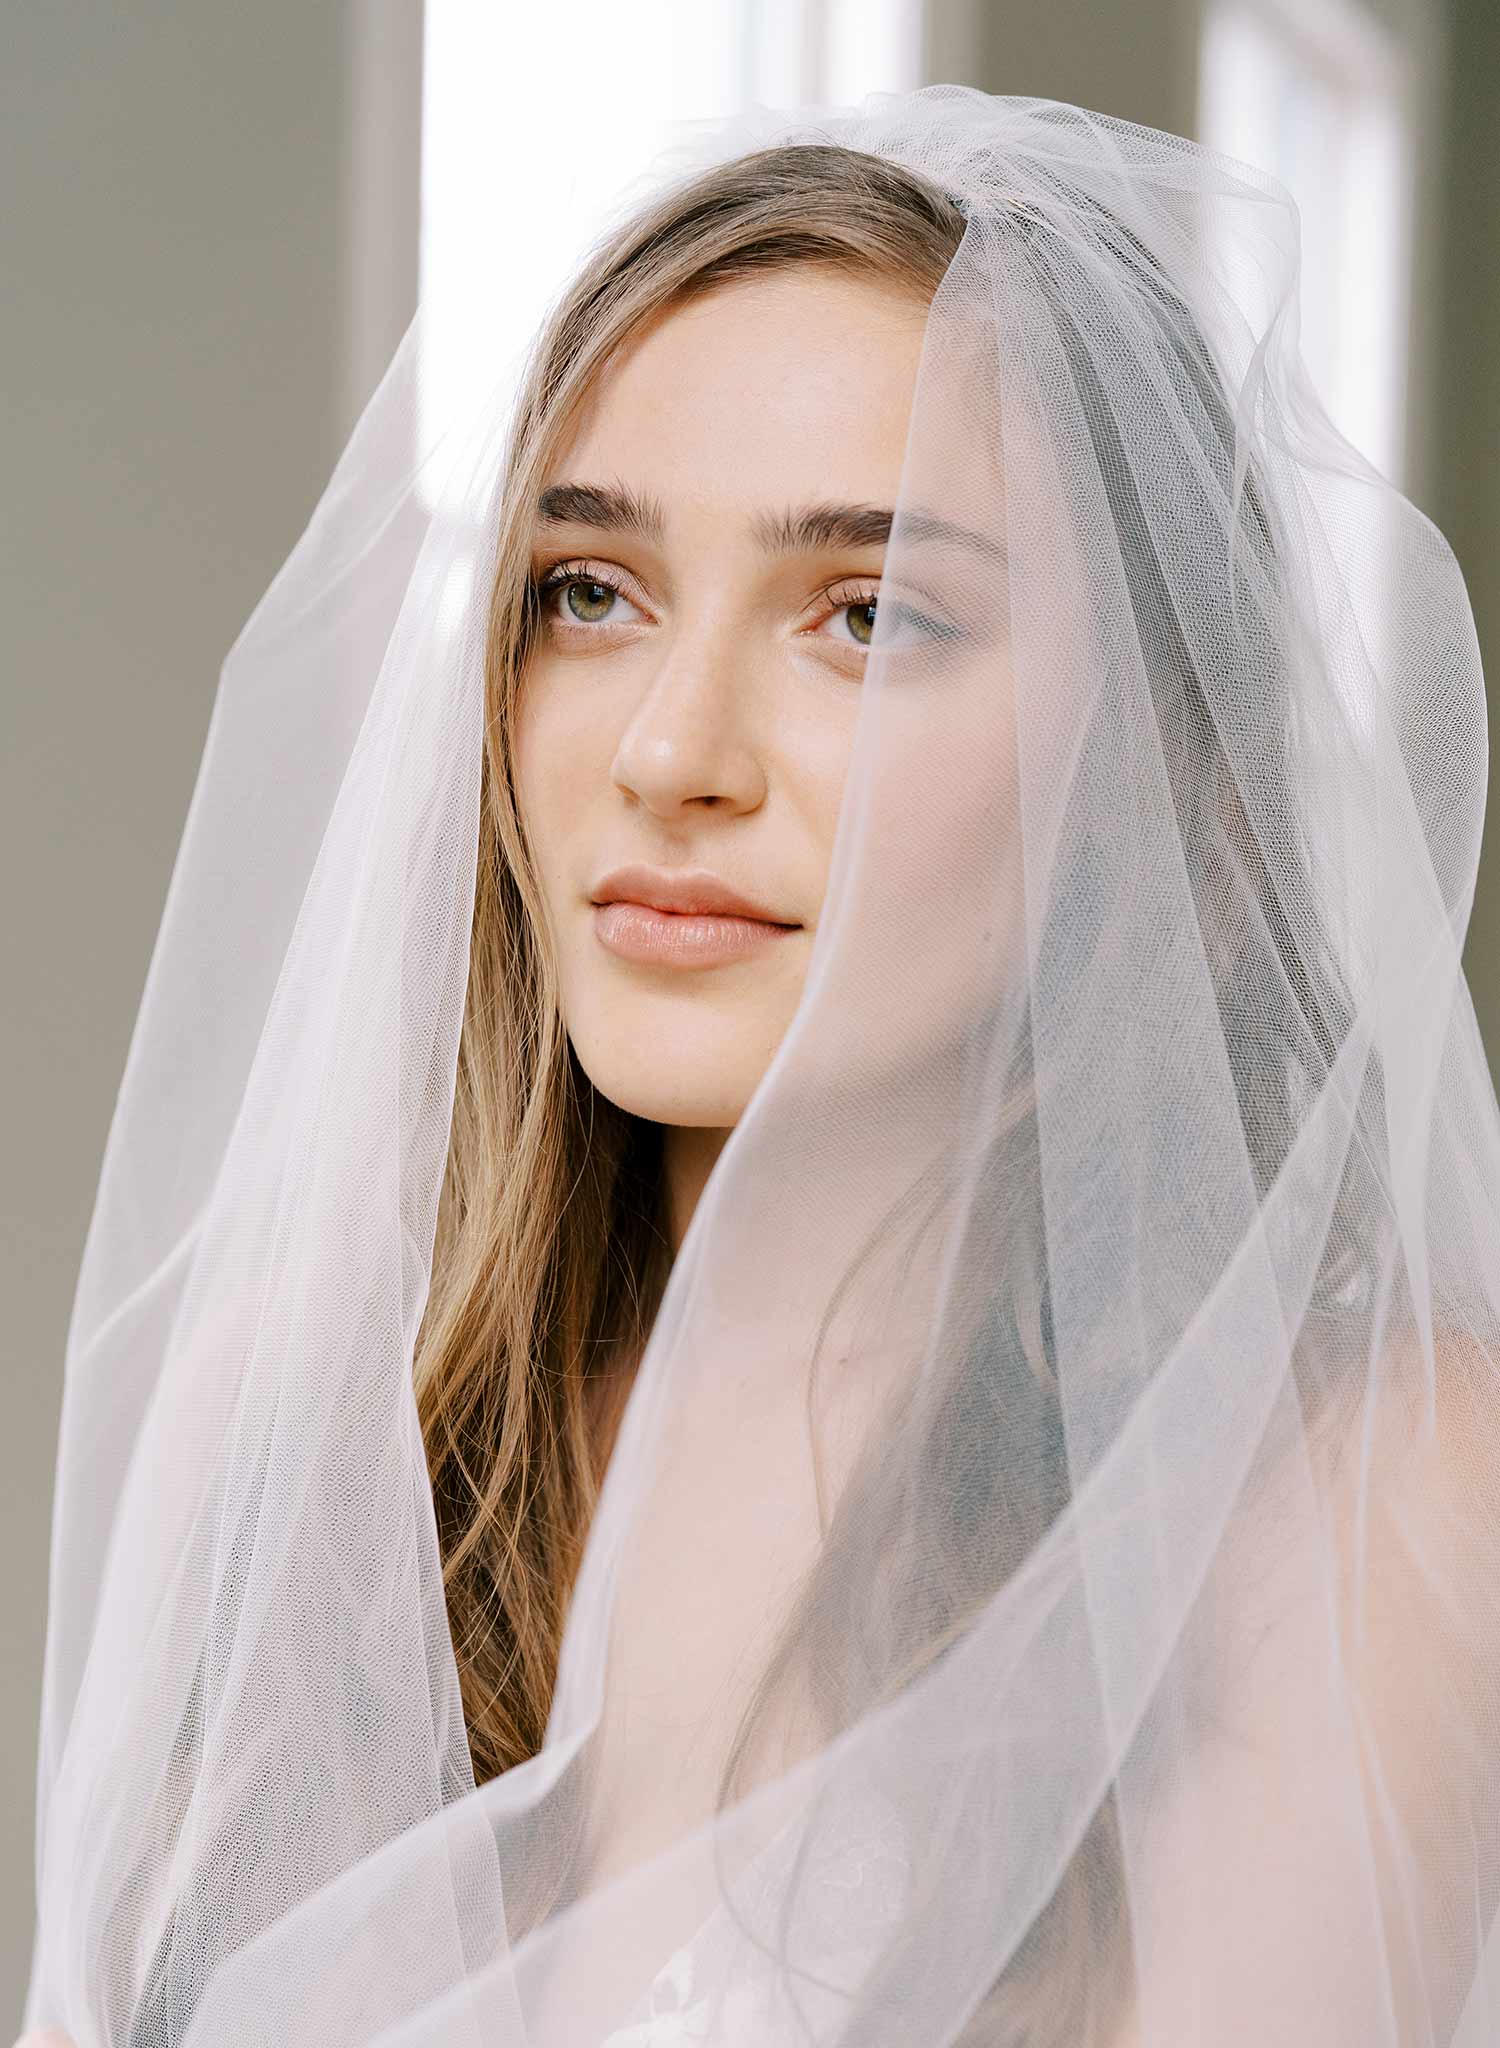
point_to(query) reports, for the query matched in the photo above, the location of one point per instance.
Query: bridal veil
(1117, 1631)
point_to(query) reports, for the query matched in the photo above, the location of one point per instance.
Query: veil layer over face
(1044, 1584)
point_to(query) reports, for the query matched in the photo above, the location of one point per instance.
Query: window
(1318, 93)
(533, 121)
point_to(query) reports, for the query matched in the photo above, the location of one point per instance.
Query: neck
(689, 1154)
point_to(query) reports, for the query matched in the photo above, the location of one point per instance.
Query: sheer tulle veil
(1073, 1399)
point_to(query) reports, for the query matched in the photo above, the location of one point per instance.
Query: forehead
(795, 385)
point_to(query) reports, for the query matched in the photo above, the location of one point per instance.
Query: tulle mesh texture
(1111, 1247)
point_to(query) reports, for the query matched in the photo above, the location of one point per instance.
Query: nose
(689, 738)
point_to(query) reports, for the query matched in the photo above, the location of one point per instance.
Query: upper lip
(685, 890)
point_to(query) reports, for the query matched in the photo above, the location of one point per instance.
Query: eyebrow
(615, 508)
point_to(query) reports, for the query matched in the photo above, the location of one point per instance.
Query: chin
(683, 1099)
(673, 1057)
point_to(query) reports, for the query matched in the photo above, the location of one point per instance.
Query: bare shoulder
(1330, 1843)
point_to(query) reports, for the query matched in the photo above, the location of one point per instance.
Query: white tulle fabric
(1111, 1251)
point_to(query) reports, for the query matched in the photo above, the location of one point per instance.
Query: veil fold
(1075, 1391)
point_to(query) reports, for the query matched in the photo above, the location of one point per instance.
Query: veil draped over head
(1043, 1589)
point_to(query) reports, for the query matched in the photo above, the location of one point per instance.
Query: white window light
(1318, 93)
(532, 121)
(1322, 96)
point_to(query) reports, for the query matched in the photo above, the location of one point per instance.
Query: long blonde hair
(551, 1254)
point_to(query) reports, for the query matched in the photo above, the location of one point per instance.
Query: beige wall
(192, 300)
(208, 249)
(1462, 488)
(1138, 60)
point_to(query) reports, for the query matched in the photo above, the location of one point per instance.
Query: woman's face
(711, 542)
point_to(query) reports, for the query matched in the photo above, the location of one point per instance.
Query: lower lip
(671, 938)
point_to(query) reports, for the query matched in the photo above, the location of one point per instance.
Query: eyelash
(849, 598)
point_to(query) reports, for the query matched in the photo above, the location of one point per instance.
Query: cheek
(553, 756)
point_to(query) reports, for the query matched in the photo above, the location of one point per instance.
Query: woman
(816, 1363)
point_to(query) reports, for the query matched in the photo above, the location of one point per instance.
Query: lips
(678, 938)
(681, 917)
(685, 892)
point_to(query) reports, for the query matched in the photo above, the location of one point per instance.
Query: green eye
(908, 624)
(589, 600)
